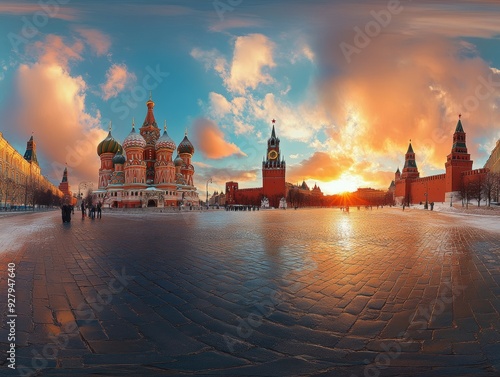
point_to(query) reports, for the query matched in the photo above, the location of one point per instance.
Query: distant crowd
(91, 210)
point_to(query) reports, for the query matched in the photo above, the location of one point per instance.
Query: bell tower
(273, 171)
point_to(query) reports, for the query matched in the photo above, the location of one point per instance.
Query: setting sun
(346, 183)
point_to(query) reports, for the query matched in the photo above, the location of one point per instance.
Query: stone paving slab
(269, 293)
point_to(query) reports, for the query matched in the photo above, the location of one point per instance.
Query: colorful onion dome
(134, 140)
(108, 145)
(178, 161)
(119, 157)
(165, 141)
(185, 146)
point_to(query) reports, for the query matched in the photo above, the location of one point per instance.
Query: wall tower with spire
(273, 171)
(458, 161)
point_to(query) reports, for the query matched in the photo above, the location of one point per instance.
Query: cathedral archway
(151, 203)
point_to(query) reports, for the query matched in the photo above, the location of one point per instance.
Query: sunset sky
(348, 82)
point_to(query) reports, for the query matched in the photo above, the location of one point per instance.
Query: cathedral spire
(150, 117)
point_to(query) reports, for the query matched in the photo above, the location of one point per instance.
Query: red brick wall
(434, 186)
(249, 196)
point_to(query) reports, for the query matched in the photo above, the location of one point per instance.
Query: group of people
(93, 210)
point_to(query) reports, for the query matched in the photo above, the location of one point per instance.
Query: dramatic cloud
(117, 78)
(98, 41)
(210, 140)
(252, 56)
(53, 51)
(320, 166)
(52, 105)
(401, 85)
(220, 105)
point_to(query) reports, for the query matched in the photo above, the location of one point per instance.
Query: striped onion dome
(108, 145)
(134, 140)
(185, 146)
(165, 141)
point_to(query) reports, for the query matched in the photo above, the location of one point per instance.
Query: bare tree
(488, 186)
(475, 190)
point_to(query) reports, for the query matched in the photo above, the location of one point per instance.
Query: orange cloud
(402, 87)
(52, 105)
(117, 79)
(54, 51)
(320, 166)
(99, 42)
(210, 140)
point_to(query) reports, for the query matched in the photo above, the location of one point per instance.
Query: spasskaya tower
(273, 171)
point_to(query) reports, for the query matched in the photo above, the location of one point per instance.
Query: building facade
(273, 179)
(142, 171)
(411, 189)
(21, 179)
(493, 163)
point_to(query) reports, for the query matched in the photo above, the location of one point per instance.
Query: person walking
(99, 211)
(83, 209)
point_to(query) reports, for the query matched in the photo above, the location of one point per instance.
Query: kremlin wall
(409, 188)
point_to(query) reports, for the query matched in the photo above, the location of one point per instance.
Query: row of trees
(28, 194)
(483, 188)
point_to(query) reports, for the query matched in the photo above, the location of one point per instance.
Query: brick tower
(273, 171)
(404, 179)
(457, 161)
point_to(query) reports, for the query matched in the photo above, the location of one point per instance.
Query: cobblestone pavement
(270, 293)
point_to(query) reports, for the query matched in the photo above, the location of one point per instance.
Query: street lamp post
(208, 181)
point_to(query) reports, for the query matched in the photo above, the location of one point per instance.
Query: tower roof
(410, 148)
(273, 140)
(150, 117)
(65, 175)
(30, 154)
(459, 127)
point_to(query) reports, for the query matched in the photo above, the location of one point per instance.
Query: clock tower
(273, 171)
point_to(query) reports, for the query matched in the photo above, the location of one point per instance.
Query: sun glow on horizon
(346, 183)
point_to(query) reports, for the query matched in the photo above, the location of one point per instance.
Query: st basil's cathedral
(142, 172)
